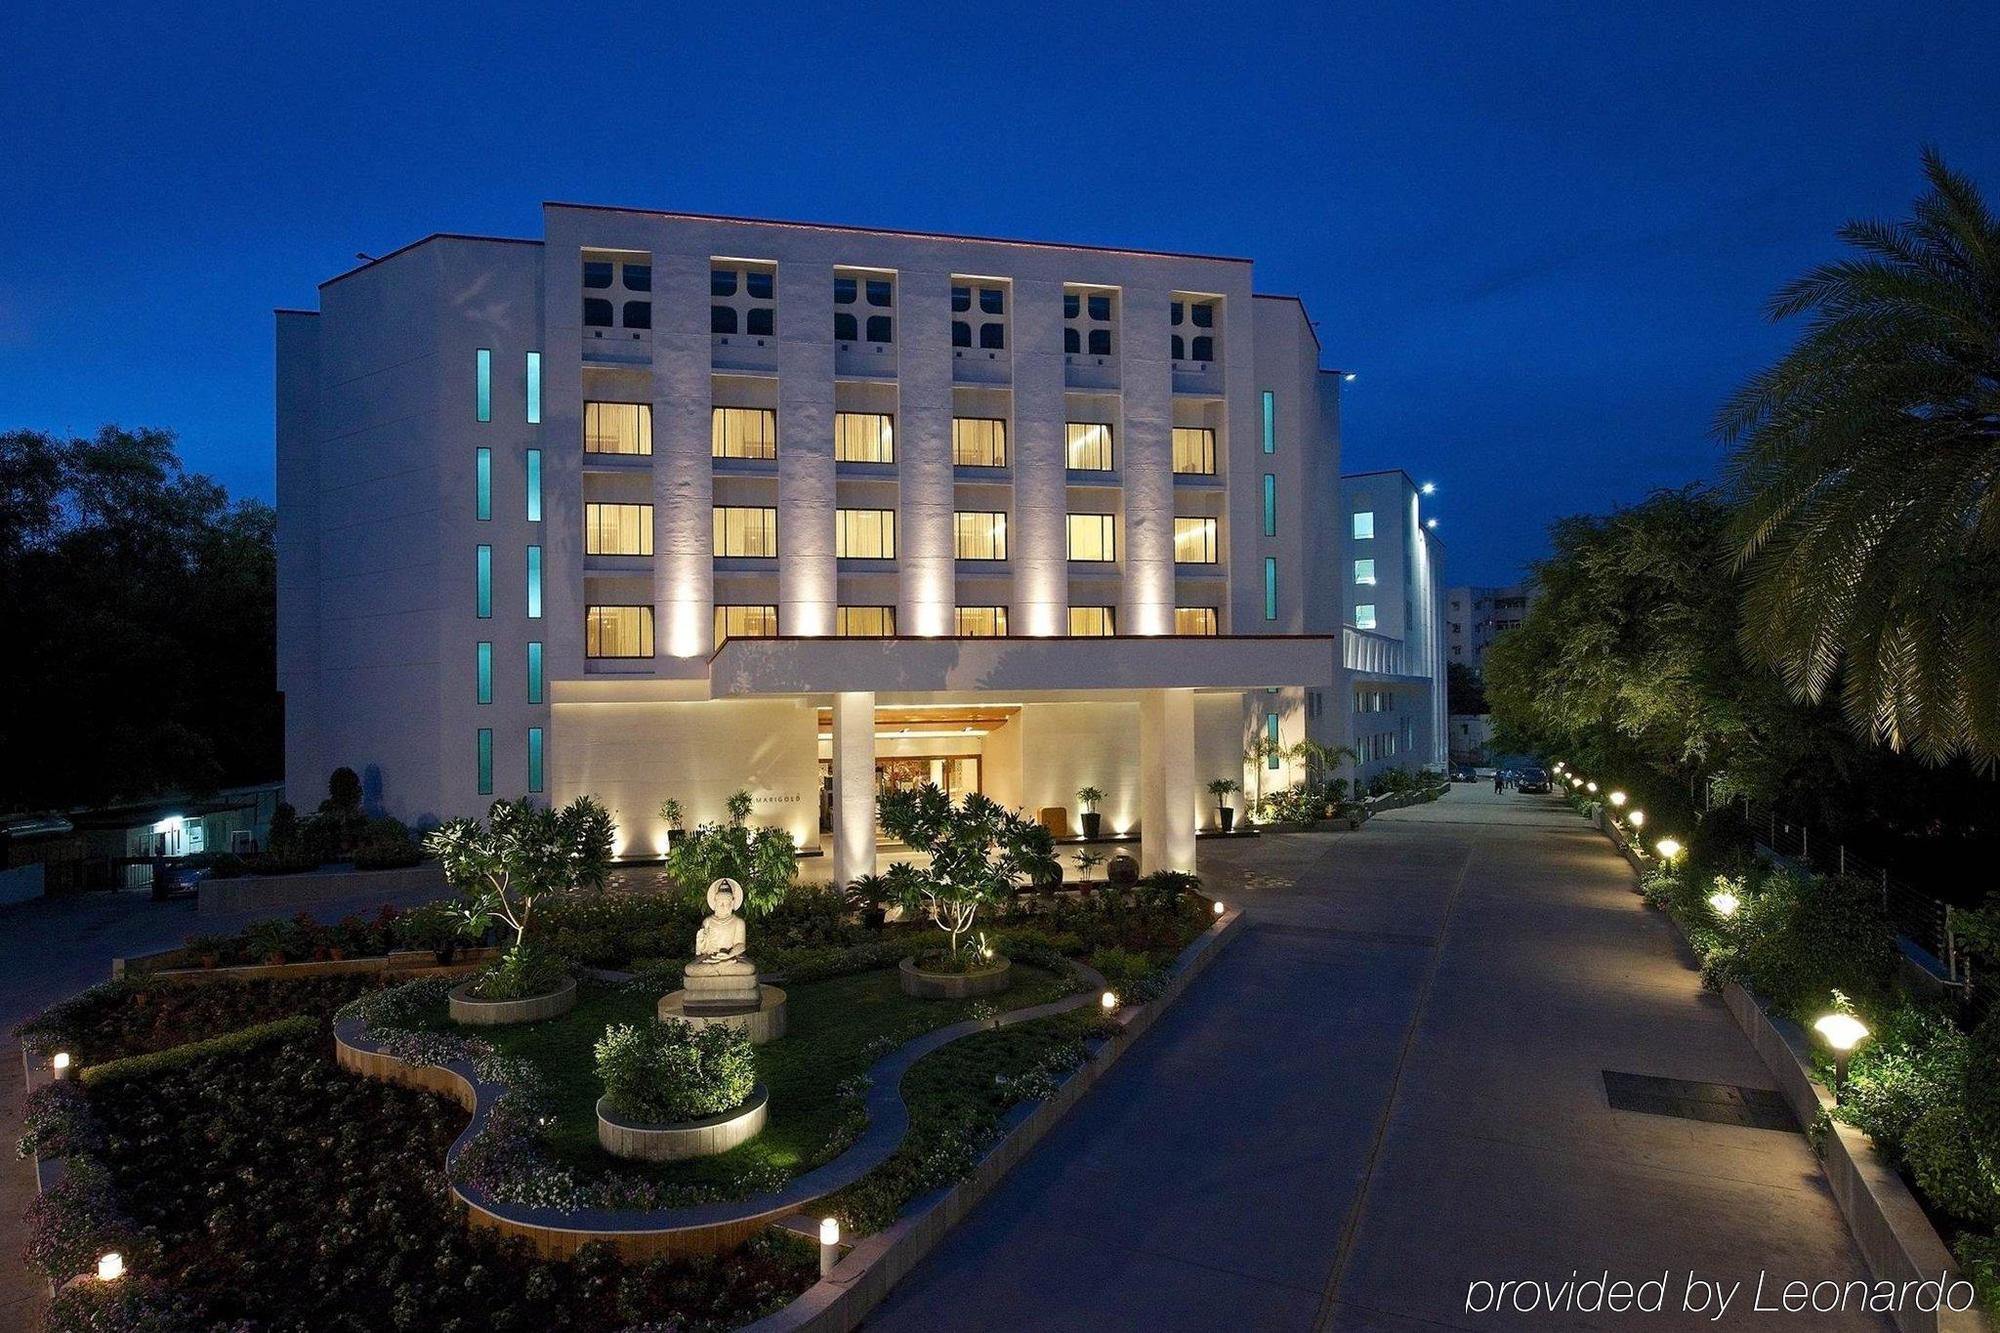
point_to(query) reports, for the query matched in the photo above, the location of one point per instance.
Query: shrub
(805, 916)
(1121, 967)
(979, 852)
(153, 1064)
(1948, 1169)
(764, 861)
(1801, 939)
(520, 974)
(132, 1017)
(665, 1073)
(1914, 1065)
(385, 844)
(1979, 1256)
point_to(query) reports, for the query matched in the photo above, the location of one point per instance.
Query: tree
(764, 861)
(521, 853)
(979, 851)
(1868, 465)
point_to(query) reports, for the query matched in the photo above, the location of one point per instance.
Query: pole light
(59, 1062)
(829, 1244)
(1843, 1032)
(1668, 848)
(1217, 907)
(1637, 818)
(1617, 798)
(1590, 787)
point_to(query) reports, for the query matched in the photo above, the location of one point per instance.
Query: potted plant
(670, 811)
(763, 860)
(1225, 814)
(1093, 822)
(870, 896)
(1087, 861)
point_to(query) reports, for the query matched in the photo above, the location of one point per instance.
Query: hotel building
(664, 505)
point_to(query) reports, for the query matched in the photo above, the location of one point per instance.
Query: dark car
(1532, 780)
(1464, 773)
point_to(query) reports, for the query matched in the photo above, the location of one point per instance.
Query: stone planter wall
(694, 1138)
(496, 1013)
(955, 985)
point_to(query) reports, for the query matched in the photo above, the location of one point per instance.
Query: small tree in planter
(1093, 822)
(670, 811)
(979, 852)
(1220, 788)
(504, 866)
(764, 861)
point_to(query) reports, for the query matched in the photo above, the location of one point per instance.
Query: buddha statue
(721, 979)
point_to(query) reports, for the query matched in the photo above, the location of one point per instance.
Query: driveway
(1391, 1088)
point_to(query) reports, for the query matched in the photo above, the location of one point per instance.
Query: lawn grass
(832, 1033)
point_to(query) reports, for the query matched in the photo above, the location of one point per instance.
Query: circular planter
(494, 1013)
(955, 985)
(1122, 871)
(692, 1138)
(764, 1023)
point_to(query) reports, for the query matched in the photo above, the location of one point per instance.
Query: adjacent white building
(664, 505)
(1475, 617)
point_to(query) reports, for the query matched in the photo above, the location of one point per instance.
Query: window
(743, 432)
(1194, 451)
(1364, 615)
(534, 672)
(638, 314)
(1194, 620)
(596, 312)
(864, 534)
(1364, 571)
(638, 277)
(1270, 504)
(618, 631)
(979, 535)
(486, 761)
(534, 485)
(483, 658)
(1186, 315)
(745, 531)
(1273, 756)
(1087, 321)
(485, 384)
(534, 388)
(744, 622)
(1270, 422)
(849, 290)
(1364, 524)
(618, 428)
(534, 583)
(485, 583)
(742, 300)
(484, 469)
(978, 442)
(617, 529)
(864, 437)
(979, 622)
(991, 301)
(879, 329)
(597, 272)
(864, 622)
(1091, 537)
(1270, 587)
(1194, 541)
(1092, 622)
(1089, 446)
(534, 758)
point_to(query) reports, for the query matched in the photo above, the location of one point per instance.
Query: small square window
(722, 282)
(638, 277)
(843, 291)
(880, 329)
(992, 300)
(638, 314)
(1364, 525)
(880, 292)
(961, 299)
(596, 273)
(760, 284)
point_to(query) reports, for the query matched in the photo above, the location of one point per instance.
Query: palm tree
(1868, 467)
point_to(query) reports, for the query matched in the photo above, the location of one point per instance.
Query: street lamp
(1843, 1032)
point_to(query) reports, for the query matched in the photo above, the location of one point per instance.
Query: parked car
(1464, 773)
(1532, 780)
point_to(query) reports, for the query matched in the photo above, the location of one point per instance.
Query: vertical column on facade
(1036, 451)
(1147, 465)
(853, 785)
(924, 541)
(1166, 781)
(807, 582)
(683, 493)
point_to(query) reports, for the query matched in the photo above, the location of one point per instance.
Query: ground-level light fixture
(1109, 1001)
(1668, 848)
(1590, 787)
(829, 1244)
(1216, 907)
(1637, 819)
(1724, 902)
(1843, 1032)
(59, 1062)
(1617, 798)
(110, 1267)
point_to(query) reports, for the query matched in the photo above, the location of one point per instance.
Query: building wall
(1476, 616)
(1407, 609)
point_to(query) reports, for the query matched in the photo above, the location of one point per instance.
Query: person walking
(1499, 780)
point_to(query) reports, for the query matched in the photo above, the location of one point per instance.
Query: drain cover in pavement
(1717, 1103)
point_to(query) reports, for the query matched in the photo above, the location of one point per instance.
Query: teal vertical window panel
(486, 761)
(534, 758)
(1270, 422)
(1270, 504)
(1272, 757)
(485, 484)
(534, 673)
(534, 388)
(534, 485)
(486, 673)
(486, 583)
(1270, 587)
(485, 384)
(534, 583)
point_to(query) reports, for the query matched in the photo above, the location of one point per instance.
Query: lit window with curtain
(617, 631)
(979, 535)
(864, 437)
(534, 672)
(1364, 525)
(864, 622)
(742, 432)
(742, 621)
(1092, 538)
(979, 622)
(1089, 446)
(1086, 622)
(1194, 541)
(1194, 451)
(864, 534)
(618, 428)
(979, 442)
(1194, 620)
(746, 531)
(617, 529)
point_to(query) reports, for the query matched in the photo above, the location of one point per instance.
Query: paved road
(1390, 1088)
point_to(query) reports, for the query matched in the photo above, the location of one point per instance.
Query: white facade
(1475, 617)
(1392, 570)
(523, 484)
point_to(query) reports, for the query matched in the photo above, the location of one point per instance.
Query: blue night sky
(1542, 234)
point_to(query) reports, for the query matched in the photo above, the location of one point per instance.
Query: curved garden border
(705, 1136)
(701, 1229)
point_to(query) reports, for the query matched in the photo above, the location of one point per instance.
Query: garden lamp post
(1843, 1032)
(1668, 849)
(829, 1244)
(1617, 799)
(1637, 818)
(1590, 787)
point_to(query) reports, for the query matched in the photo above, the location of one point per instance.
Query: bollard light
(1637, 818)
(1724, 902)
(1109, 1001)
(1843, 1032)
(110, 1267)
(1590, 787)
(1668, 848)
(829, 1244)
(1617, 798)
(60, 1063)
(1218, 907)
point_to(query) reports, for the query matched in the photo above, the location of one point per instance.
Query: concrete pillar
(853, 785)
(1166, 781)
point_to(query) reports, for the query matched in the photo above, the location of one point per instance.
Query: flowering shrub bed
(281, 1192)
(132, 1017)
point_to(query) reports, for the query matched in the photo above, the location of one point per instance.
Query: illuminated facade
(664, 505)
